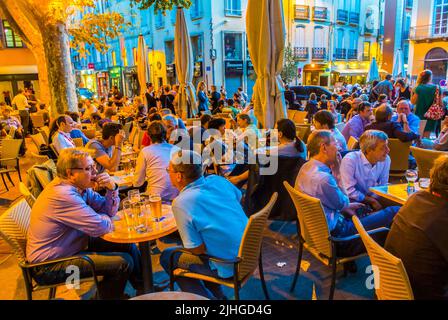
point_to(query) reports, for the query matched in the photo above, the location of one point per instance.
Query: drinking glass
(155, 201)
(128, 214)
(126, 165)
(138, 211)
(411, 177)
(134, 196)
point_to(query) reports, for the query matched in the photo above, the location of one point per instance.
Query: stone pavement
(279, 246)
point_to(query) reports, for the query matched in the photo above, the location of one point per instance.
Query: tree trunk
(45, 95)
(61, 81)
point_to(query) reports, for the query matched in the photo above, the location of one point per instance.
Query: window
(233, 8)
(366, 51)
(196, 46)
(356, 5)
(440, 16)
(299, 37)
(159, 20)
(169, 51)
(233, 43)
(353, 40)
(196, 9)
(12, 40)
(173, 15)
(340, 39)
(319, 37)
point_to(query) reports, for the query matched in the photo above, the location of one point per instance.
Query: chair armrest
(54, 261)
(356, 236)
(7, 159)
(206, 256)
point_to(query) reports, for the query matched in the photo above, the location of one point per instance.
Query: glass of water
(411, 177)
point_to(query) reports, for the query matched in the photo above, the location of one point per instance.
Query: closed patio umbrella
(373, 71)
(142, 64)
(398, 70)
(183, 57)
(266, 31)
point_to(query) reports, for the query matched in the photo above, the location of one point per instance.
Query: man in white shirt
(369, 167)
(61, 138)
(152, 163)
(21, 103)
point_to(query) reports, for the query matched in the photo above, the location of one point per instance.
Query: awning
(355, 72)
(27, 69)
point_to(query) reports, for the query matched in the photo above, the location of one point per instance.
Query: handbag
(435, 111)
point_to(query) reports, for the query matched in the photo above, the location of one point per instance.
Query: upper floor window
(233, 8)
(196, 9)
(356, 5)
(233, 43)
(159, 20)
(319, 36)
(440, 16)
(299, 38)
(169, 51)
(12, 40)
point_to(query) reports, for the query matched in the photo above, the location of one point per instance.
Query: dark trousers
(115, 262)
(25, 120)
(196, 265)
(346, 228)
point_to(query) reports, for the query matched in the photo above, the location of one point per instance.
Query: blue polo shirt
(208, 211)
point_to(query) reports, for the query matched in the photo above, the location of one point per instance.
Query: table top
(170, 295)
(122, 179)
(395, 192)
(121, 234)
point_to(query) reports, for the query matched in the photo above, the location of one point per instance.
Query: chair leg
(9, 178)
(52, 293)
(237, 292)
(263, 282)
(333, 278)
(18, 171)
(299, 261)
(27, 280)
(4, 182)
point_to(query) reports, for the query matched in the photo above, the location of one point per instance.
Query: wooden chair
(38, 120)
(291, 113)
(425, 160)
(352, 143)
(30, 199)
(52, 147)
(9, 161)
(45, 131)
(248, 256)
(14, 225)
(399, 156)
(303, 131)
(299, 117)
(38, 140)
(315, 235)
(78, 142)
(390, 272)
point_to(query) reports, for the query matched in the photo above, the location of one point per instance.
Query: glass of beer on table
(155, 201)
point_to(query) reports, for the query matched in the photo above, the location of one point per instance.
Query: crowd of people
(202, 169)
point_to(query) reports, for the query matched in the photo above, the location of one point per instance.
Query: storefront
(233, 62)
(132, 87)
(115, 78)
(102, 79)
(316, 75)
(88, 80)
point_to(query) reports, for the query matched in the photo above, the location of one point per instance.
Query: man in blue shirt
(369, 167)
(385, 87)
(406, 118)
(320, 178)
(210, 220)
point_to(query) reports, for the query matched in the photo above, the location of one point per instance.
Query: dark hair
(374, 83)
(383, 113)
(400, 82)
(230, 102)
(335, 95)
(245, 116)
(325, 117)
(54, 126)
(74, 116)
(288, 129)
(382, 97)
(95, 116)
(101, 108)
(141, 108)
(110, 103)
(157, 131)
(445, 93)
(152, 110)
(313, 96)
(362, 106)
(424, 77)
(111, 129)
(205, 118)
(109, 113)
(388, 77)
(215, 123)
(155, 117)
(42, 106)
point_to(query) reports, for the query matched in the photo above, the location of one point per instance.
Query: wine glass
(411, 177)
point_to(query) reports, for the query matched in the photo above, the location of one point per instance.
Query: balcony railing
(302, 12)
(301, 53)
(320, 13)
(342, 16)
(340, 54)
(429, 32)
(319, 54)
(352, 54)
(354, 18)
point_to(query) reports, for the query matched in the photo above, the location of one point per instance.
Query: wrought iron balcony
(342, 16)
(320, 13)
(302, 12)
(354, 18)
(319, 54)
(340, 54)
(301, 53)
(429, 32)
(352, 54)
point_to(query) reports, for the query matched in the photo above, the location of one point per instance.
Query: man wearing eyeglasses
(68, 218)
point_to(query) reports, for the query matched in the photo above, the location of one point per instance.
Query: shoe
(158, 287)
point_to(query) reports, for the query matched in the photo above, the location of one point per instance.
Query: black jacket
(393, 130)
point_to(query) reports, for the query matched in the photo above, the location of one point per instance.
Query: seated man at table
(60, 133)
(419, 236)
(383, 116)
(356, 126)
(404, 116)
(175, 134)
(76, 132)
(210, 221)
(152, 162)
(320, 178)
(9, 122)
(69, 217)
(107, 151)
(369, 167)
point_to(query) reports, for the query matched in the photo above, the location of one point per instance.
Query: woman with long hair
(423, 97)
(202, 97)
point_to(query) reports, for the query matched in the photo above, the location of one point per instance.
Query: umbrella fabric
(266, 31)
(183, 55)
(373, 71)
(142, 64)
(398, 70)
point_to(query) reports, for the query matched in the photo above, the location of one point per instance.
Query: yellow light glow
(313, 65)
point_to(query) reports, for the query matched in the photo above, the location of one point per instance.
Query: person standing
(385, 87)
(404, 92)
(423, 97)
(21, 103)
(202, 97)
(7, 97)
(214, 98)
(167, 99)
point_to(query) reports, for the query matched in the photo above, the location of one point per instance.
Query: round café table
(169, 295)
(122, 234)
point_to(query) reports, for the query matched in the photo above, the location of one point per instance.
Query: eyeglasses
(90, 168)
(168, 170)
